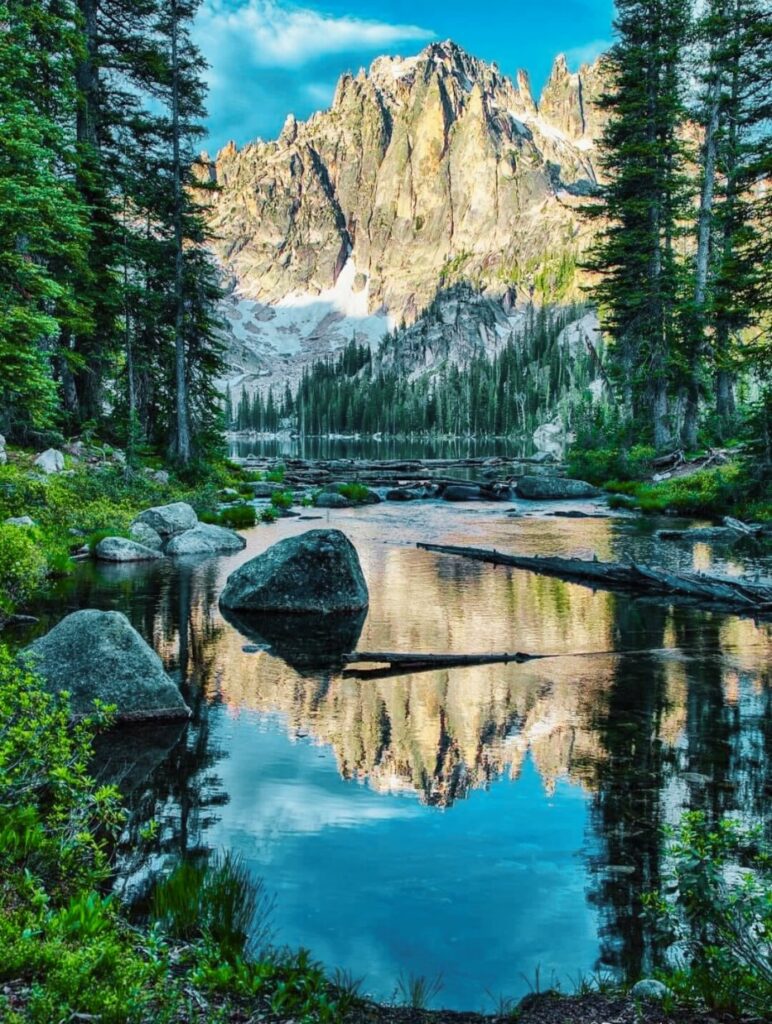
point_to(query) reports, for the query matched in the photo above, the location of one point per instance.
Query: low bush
(354, 492)
(282, 499)
(22, 565)
(238, 516)
(276, 475)
(268, 515)
(715, 911)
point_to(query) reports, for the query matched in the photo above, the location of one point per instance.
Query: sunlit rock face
(425, 171)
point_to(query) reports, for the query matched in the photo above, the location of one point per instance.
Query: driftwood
(732, 530)
(400, 663)
(743, 595)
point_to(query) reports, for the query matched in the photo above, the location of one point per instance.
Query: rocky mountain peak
(426, 170)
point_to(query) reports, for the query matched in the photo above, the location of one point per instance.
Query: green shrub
(715, 905)
(600, 465)
(282, 499)
(239, 516)
(22, 565)
(276, 475)
(354, 492)
(63, 821)
(268, 515)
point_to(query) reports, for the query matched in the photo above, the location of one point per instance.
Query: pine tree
(43, 229)
(644, 196)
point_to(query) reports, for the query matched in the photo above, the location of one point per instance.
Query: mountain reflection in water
(479, 821)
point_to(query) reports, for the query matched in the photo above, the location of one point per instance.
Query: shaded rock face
(121, 549)
(169, 520)
(540, 488)
(144, 534)
(307, 642)
(316, 572)
(205, 539)
(425, 171)
(97, 655)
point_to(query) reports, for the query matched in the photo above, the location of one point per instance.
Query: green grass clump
(268, 515)
(708, 492)
(238, 516)
(354, 492)
(282, 499)
(276, 475)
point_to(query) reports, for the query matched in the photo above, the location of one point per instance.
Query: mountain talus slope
(425, 170)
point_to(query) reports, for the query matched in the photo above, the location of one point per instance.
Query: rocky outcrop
(169, 520)
(316, 572)
(548, 488)
(121, 549)
(144, 534)
(205, 539)
(50, 461)
(426, 171)
(96, 655)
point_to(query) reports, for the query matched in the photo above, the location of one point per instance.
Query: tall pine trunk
(182, 425)
(704, 233)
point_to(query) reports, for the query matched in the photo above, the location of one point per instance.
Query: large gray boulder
(169, 520)
(20, 521)
(3, 453)
(121, 549)
(50, 461)
(144, 534)
(97, 655)
(205, 539)
(551, 488)
(318, 571)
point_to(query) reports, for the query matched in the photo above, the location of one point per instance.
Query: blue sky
(270, 57)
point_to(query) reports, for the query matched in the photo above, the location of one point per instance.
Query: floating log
(738, 594)
(399, 663)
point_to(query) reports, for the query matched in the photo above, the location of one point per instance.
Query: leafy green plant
(22, 565)
(268, 515)
(238, 516)
(715, 909)
(276, 475)
(354, 492)
(282, 499)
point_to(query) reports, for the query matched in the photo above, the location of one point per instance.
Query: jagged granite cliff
(425, 171)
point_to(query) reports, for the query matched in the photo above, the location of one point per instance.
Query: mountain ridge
(424, 171)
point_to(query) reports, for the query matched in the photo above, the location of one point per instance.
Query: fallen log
(738, 594)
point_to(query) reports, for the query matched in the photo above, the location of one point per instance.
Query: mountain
(425, 171)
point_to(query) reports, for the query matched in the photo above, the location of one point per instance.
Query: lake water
(482, 823)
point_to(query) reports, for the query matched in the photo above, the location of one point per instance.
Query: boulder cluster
(168, 530)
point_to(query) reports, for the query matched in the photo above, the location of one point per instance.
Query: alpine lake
(492, 826)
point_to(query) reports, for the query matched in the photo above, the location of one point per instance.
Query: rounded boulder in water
(97, 655)
(317, 571)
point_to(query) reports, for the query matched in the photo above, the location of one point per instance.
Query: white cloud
(587, 52)
(272, 35)
(267, 59)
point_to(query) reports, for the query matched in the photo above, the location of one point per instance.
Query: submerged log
(739, 594)
(403, 663)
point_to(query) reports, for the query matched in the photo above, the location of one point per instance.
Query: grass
(238, 516)
(354, 492)
(417, 991)
(710, 492)
(282, 499)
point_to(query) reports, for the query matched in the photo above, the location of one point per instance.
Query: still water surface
(482, 823)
